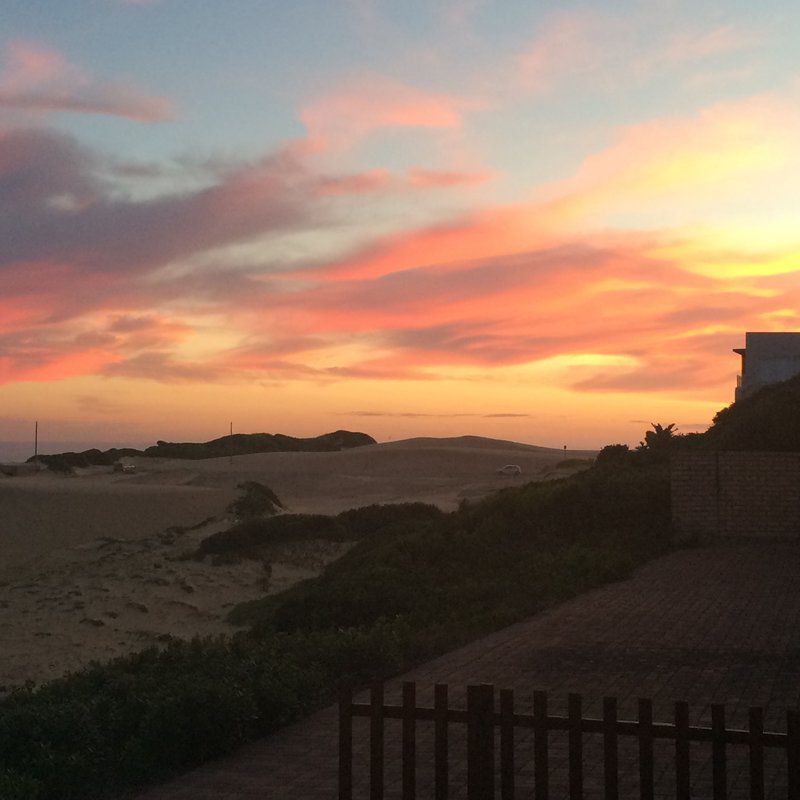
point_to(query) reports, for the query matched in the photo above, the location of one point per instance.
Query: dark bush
(614, 455)
(367, 520)
(14, 786)
(248, 538)
(256, 500)
(768, 420)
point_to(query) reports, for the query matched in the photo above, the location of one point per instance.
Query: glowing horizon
(545, 224)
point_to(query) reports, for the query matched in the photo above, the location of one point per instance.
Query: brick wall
(736, 494)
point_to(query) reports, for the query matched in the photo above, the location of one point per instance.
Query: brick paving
(707, 625)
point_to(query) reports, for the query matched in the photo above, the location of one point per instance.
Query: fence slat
(756, 730)
(409, 741)
(645, 730)
(345, 743)
(682, 774)
(793, 753)
(376, 742)
(440, 744)
(507, 744)
(541, 774)
(719, 753)
(575, 714)
(480, 742)
(610, 757)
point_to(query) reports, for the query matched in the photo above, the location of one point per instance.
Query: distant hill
(476, 442)
(767, 420)
(236, 445)
(245, 443)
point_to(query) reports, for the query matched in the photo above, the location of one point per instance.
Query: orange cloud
(690, 168)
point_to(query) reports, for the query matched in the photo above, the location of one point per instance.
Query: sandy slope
(439, 471)
(90, 569)
(43, 512)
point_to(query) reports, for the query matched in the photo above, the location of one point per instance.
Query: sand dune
(90, 569)
(439, 471)
(45, 512)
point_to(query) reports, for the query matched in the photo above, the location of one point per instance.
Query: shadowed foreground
(707, 625)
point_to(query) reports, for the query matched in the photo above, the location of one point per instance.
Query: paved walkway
(705, 625)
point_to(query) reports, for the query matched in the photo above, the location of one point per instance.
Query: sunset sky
(545, 221)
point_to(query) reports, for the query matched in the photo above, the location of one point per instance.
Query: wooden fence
(483, 719)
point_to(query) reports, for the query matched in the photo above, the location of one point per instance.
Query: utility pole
(230, 445)
(36, 439)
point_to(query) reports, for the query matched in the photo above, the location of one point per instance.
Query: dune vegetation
(416, 583)
(236, 444)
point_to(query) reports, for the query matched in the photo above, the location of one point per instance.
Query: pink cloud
(438, 178)
(373, 102)
(699, 45)
(574, 44)
(567, 44)
(39, 80)
(375, 180)
(358, 183)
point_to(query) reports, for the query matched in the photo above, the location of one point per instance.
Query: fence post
(507, 744)
(575, 715)
(793, 753)
(645, 728)
(409, 741)
(682, 774)
(345, 743)
(480, 742)
(719, 755)
(541, 770)
(611, 760)
(756, 726)
(441, 745)
(376, 742)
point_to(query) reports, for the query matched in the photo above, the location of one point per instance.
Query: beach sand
(95, 564)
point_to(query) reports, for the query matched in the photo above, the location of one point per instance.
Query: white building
(767, 358)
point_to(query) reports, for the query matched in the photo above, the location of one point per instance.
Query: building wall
(771, 358)
(736, 494)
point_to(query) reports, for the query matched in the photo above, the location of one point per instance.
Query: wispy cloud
(573, 46)
(39, 80)
(372, 102)
(93, 281)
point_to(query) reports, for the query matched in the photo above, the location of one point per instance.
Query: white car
(510, 470)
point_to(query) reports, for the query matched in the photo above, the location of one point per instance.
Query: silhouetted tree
(660, 440)
(614, 454)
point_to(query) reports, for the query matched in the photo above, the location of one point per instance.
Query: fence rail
(484, 718)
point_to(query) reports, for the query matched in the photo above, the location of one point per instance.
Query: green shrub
(248, 538)
(14, 786)
(256, 500)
